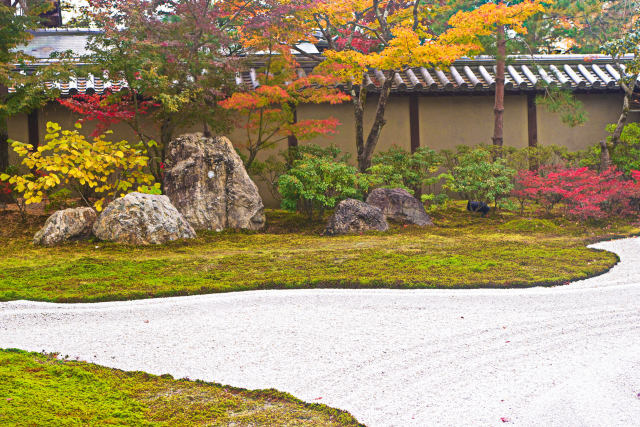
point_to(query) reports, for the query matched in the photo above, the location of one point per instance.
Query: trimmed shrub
(314, 184)
(479, 177)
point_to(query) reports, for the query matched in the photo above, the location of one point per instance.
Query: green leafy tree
(17, 70)
(626, 46)
(177, 54)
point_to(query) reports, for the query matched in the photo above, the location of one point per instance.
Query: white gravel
(566, 356)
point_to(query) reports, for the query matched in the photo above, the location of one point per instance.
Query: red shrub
(105, 110)
(584, 193)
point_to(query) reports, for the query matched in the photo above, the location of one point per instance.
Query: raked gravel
(564, 356)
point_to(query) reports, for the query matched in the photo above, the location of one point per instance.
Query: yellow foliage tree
(108, 169)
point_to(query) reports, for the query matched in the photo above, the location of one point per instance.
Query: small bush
(107, 169)
(476, 176)
(398, 168)
(314, 184)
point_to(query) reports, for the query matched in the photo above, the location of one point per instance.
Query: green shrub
(625, 156)
(314, 184)
(414, 172)
(270, 170)
(518, 158)
(477, 176)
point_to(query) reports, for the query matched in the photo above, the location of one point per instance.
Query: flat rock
(399, 205)
(207, 182)
(65, 226)
(352, 216)
(142, 219)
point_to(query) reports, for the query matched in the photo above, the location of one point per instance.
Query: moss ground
(37, 389)
(461, 251)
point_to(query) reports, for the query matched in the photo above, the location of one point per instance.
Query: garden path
(544, 356)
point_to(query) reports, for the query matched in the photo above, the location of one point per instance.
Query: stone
(352, 216)
(142, 219)
(207, 182)
(65, 226)
(399, 205)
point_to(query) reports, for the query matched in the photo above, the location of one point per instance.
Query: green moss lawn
(41, 390)
(462, 251)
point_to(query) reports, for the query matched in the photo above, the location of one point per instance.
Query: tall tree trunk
(4, 132)
(292, 140)
(498, 139)
(378, 123)
(358, 100)
(532, 128)
(622, 120)
(605, 155)
(366, 148)
(4, 145)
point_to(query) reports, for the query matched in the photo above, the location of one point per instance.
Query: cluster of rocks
(206, 186)
(396, 204)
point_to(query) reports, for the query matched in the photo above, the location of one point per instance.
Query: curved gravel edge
(568, 355)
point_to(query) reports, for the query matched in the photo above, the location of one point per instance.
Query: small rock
(66, 225)
(352, 216)
(399, 205)
(142, 219)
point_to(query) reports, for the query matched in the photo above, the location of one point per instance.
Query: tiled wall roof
(523, 73)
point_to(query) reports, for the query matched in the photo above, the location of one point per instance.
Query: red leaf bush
(105, 109)
(584, 193)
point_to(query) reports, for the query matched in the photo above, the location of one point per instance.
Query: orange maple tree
(268, 112)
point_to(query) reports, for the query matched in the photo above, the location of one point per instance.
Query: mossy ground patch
(462, 251)
(40, 389)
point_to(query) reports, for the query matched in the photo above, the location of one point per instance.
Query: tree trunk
(359, 100)
(4, 132)
(605, 157)
(364, 157)
(532, 127)
(292, 140)
(622, 120)
(4, 145)
(498, 139)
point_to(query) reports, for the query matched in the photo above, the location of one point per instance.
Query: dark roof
(593, 73)
(523, 73)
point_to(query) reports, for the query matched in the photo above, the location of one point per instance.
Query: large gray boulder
(399, 205)
(65, 226)
(142, 219)
(207, 182)
(352, 216)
